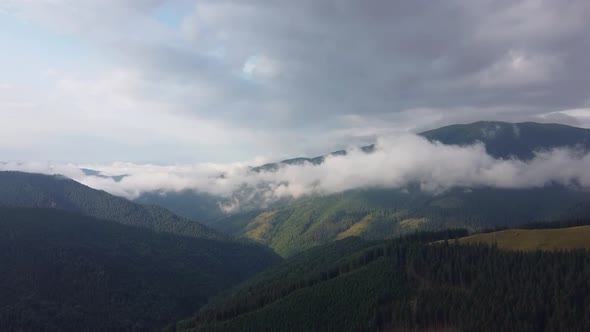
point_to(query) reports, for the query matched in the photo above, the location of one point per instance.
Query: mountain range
(501, 140)
(295, 225)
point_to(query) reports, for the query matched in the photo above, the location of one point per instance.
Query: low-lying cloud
(395, 163)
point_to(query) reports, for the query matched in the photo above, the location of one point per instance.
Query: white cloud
(397, 162)
(122, 112)
(261, 66)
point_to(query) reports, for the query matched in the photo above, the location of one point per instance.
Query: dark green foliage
(410, 285)
(37, 190)
(543, 225)
(62, 271)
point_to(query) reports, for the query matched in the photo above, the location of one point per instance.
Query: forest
(62, 271)
(410, 284)
(18, 189)
(69, 266)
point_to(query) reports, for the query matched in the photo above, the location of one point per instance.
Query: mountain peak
(507, 140)
(502, 140)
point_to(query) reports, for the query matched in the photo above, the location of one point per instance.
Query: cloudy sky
(223, 81)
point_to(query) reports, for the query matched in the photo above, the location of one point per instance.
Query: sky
(165, 82)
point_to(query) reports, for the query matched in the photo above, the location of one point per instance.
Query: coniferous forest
(62, 271)
(410, 285)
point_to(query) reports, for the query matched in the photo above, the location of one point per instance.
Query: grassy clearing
(535, 239)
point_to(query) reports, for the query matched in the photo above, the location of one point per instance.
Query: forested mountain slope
(383, 213)
(63, 271)
(409, 285)
(19, 189)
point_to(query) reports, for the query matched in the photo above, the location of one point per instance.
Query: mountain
(383, 213)
(501, 140)
(301, 160)
(292, 226)
(63, 271)
(19, 189)
(505, 140)
(408, 284)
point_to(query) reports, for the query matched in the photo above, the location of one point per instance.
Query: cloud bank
(396, 162)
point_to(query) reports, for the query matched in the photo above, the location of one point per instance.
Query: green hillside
(381, 213)
(408, 285)
(19, 189)
(67, 272)
(535, 239)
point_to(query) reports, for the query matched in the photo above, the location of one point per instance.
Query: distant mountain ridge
(505, 140)
(301, 160)
(290, 227)
(18, 189)
(501, 140)
(380, 213)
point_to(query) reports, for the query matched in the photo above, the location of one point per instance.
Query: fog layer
(395, 163)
